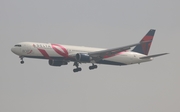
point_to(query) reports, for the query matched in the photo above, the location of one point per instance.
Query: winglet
(145, 47)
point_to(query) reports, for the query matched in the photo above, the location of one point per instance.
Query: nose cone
(13, 49)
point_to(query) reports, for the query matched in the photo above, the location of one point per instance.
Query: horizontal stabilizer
(152, 56)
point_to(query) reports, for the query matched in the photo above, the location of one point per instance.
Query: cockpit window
(17, 45)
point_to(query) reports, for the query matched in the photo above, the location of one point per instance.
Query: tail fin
(145, 47)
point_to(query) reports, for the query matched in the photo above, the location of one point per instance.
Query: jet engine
(57, 62)
(85, 58)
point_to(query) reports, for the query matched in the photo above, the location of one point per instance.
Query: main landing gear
(77, 69)
(92, 67)
(22, 62)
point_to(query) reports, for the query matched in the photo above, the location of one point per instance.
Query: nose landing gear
(22, 62)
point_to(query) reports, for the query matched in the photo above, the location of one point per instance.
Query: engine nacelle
(83, 57)
(57, 62)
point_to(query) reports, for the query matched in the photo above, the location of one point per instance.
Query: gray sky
(38, 87)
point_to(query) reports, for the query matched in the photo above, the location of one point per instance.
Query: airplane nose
(13, 49)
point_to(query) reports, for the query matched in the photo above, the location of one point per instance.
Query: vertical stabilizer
(145, 47)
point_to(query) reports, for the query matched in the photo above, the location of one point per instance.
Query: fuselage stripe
(44, 53)
(64, 53)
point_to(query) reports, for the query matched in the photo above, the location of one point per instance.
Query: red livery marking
(44, 53)
(146, 46)
(29, 52)
(109, 56)
(64, 53)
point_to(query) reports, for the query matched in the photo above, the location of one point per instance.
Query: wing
(98, 55)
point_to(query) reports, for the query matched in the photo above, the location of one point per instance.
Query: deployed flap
(152, 56)
(97, 55)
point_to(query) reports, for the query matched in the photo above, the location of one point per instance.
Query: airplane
(58, 55)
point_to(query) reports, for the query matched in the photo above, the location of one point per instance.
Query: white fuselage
(66, 52)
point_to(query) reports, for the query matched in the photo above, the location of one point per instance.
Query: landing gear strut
(93, 67)
(22, 62)
(77, 69)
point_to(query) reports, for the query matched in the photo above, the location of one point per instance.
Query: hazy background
(38, 87)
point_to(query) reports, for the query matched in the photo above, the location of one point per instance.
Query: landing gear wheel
(95, 66)
(92, 67)
(77, 69)
(22, 62)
